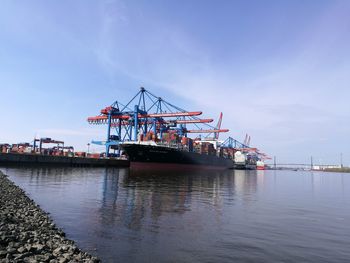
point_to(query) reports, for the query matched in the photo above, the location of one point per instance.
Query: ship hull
(239, 166)
(260, 165)
(149, 155)
(250, 167)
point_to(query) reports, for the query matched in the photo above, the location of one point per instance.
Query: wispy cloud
(276, 99)
(291, 97)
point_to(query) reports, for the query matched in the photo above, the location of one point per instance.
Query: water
(230, 216)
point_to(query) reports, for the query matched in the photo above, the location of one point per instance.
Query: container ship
(185, 154)
(151, 131)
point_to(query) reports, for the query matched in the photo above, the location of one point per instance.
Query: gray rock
(19, 256)
(11, 250)
(64, 248)
(67, 256)
(57, 251)
(27, 234)
(9, 257)
(28, 247)
(32, 260)
(42, 258)
(39, 247)
(21, 249)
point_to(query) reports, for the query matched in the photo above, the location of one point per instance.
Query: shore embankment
(338, 170)
(28, 234)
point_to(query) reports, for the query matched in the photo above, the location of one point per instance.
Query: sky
(278, 70)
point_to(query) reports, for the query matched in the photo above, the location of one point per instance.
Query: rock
(21, 249)
(28, 247)
(16, 244)
(67, 256)
(39, 247)
(57, 251)
(64, 248)
(42, 258)
(93, 260)
(78, 257)
(9, 257)
(11, 250)
(32, 260)
(27, 234)
(24, 255)
(11, 244)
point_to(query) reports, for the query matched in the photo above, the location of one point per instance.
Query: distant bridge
(305, 166)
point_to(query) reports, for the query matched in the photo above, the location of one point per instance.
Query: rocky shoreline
(27, 234)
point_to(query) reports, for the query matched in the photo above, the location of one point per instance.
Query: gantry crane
(146, 113)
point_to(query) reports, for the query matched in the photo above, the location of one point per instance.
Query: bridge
(302, 166)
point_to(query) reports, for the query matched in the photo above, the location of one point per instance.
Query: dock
(30, 159)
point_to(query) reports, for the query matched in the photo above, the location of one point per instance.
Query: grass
(338, 170)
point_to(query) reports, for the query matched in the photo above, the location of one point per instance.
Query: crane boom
(166, 122)
(247, 149)
(104, 118)
(172, 114)
(208, 131)
(194, 121)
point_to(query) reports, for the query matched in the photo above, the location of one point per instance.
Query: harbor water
(123, 215)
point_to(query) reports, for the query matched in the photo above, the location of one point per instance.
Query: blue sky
(279, 70)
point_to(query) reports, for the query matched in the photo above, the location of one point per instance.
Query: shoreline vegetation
(338, 170)
(28, 234)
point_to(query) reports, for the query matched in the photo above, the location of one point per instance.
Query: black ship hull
(165, 156)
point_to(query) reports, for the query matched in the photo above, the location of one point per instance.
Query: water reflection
(131, 197)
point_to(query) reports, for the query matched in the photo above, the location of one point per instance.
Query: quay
(23, 159)
(15, 159)
(34, 154)
(27, 233)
